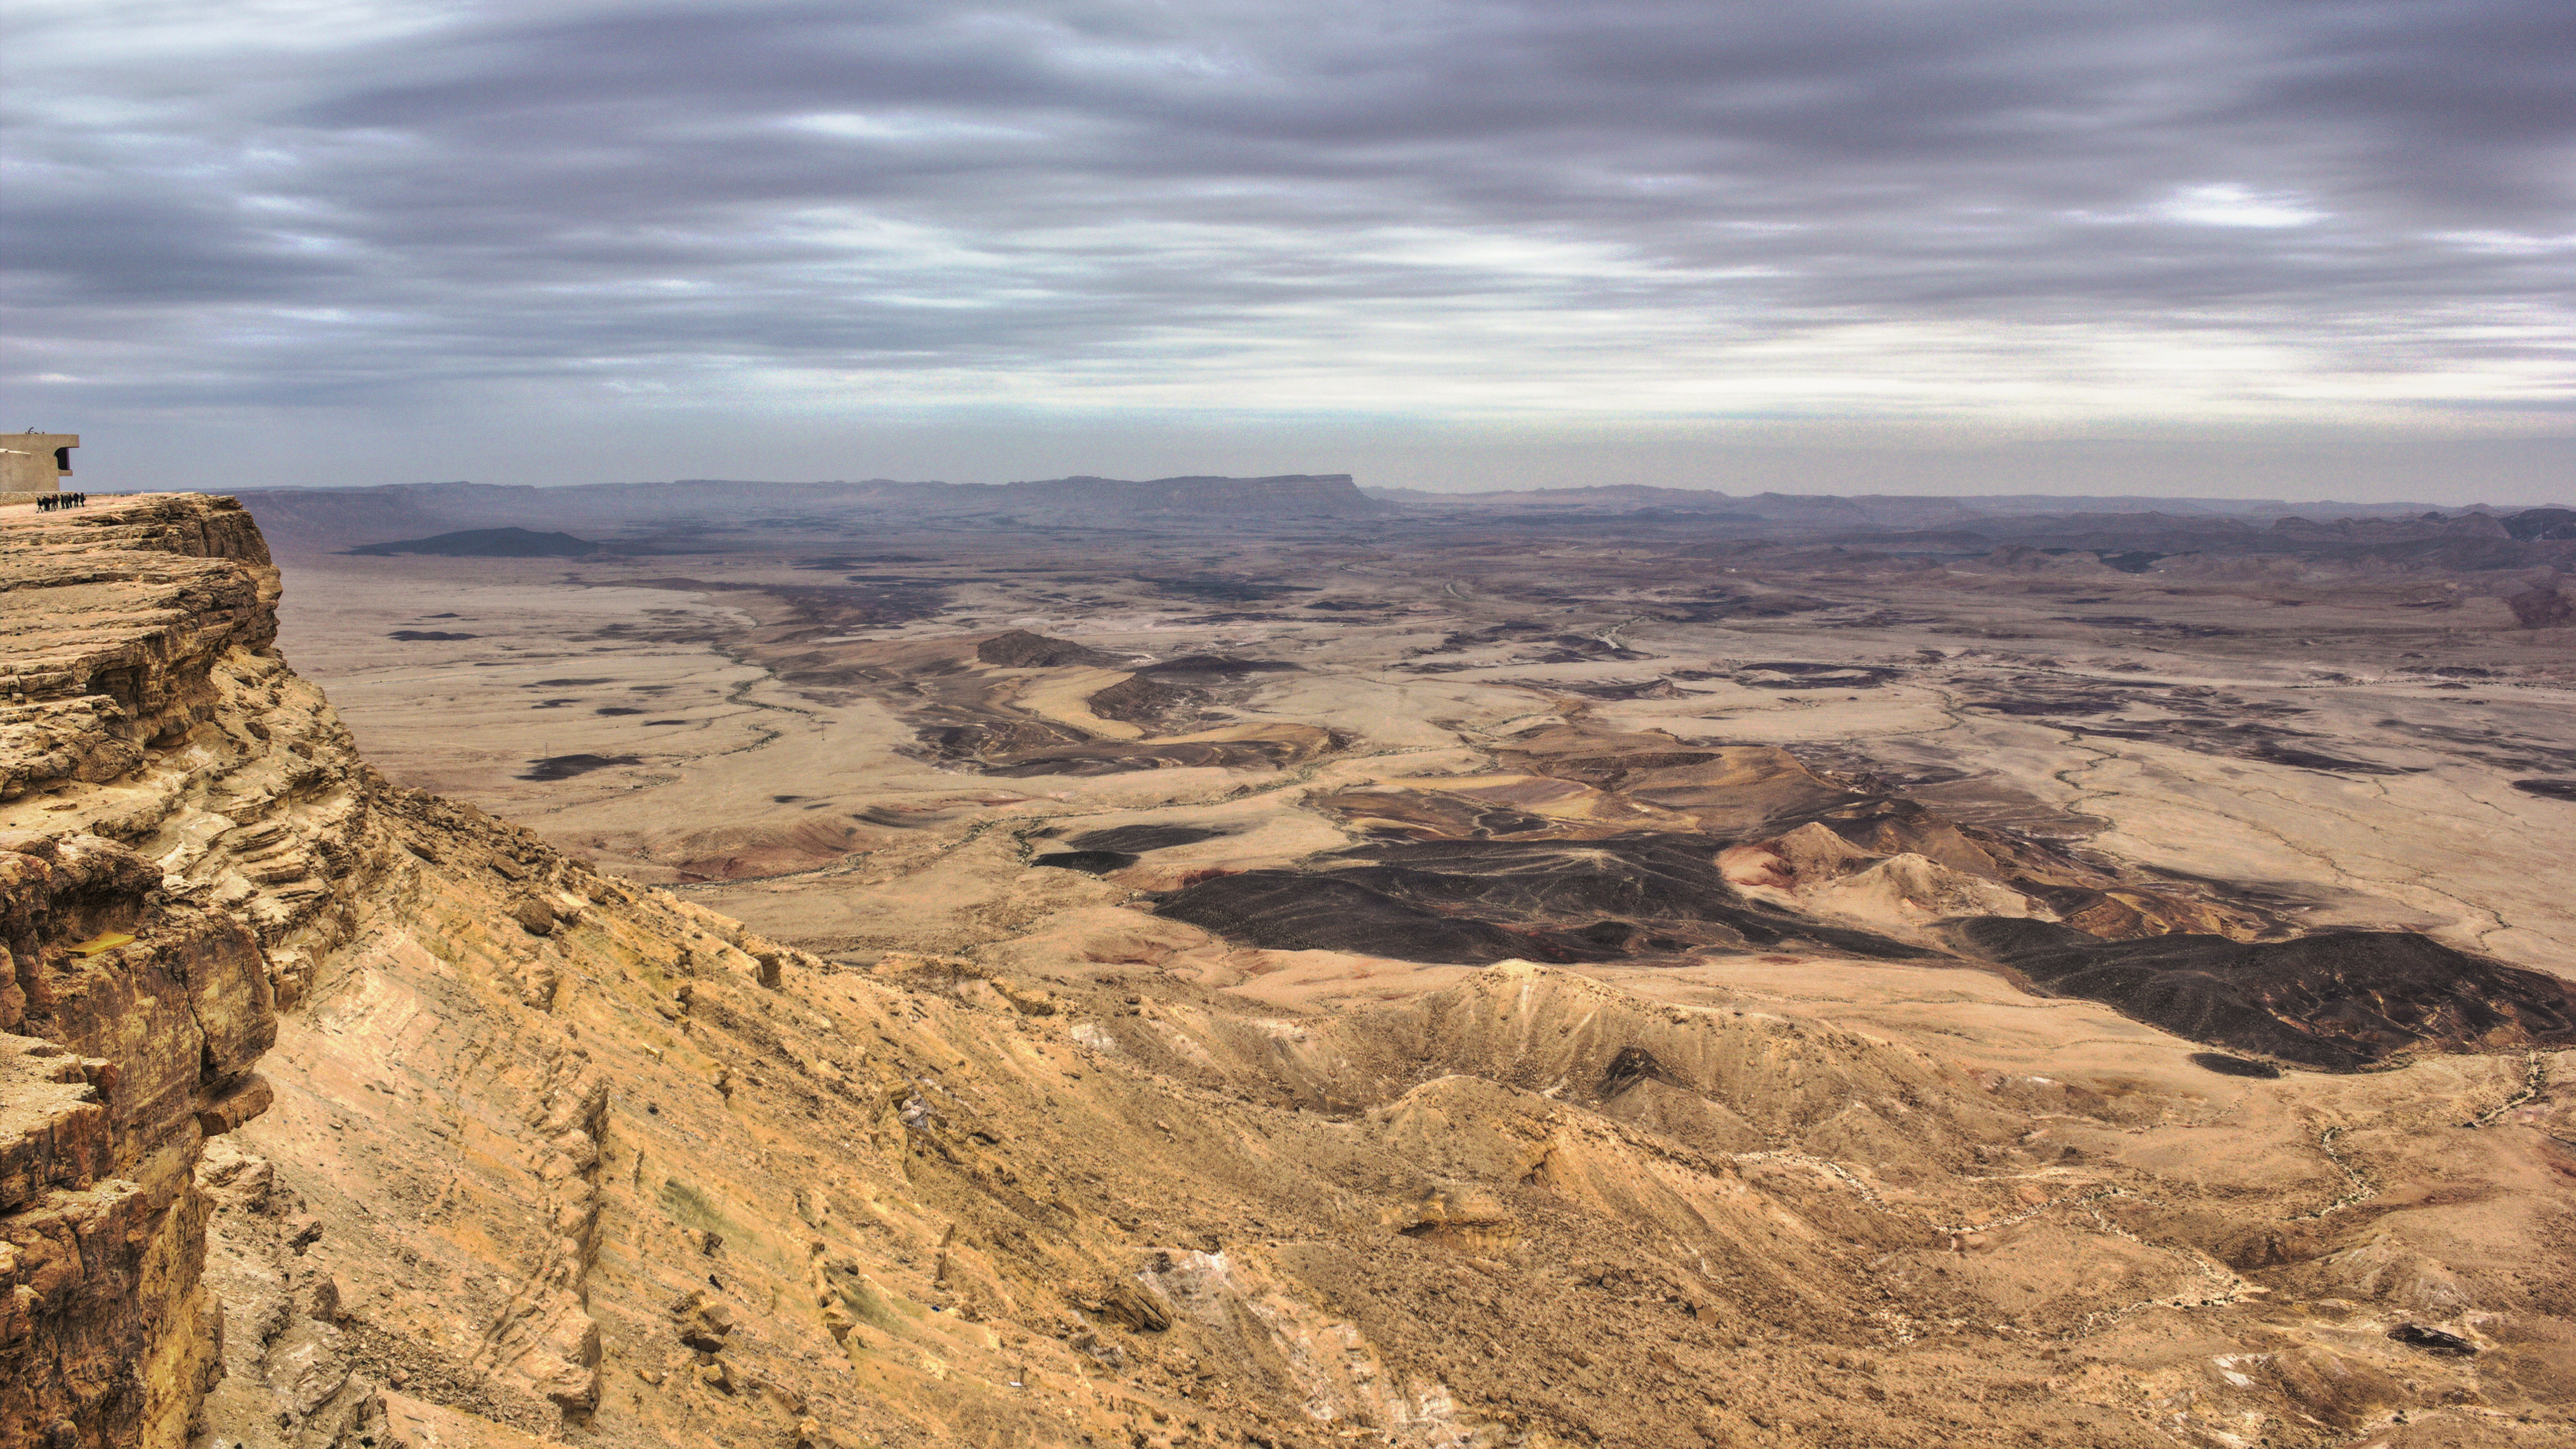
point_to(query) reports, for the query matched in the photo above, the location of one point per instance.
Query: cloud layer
(2026, 214)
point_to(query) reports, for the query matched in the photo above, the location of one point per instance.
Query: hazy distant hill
(694, 514)
(1291, 494)
(339, 517)
(1909, 511)
(487, 543)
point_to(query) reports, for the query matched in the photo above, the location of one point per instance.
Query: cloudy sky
(2302, 247)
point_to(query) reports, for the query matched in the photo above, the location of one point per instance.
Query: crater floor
(1494, 985)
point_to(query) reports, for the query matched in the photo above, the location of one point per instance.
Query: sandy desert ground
(755, 723)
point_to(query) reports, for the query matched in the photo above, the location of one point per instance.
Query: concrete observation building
(33, 464)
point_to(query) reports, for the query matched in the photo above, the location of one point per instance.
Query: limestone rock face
(131, 1020)
(132, 1008)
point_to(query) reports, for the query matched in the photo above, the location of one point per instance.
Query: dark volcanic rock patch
(1199, 669)
(2548, 789)
(1794, 674)
(1286, 910)
(1641, 875)
(1168, 695)
(1643, 785)
(1090, 862)
(1139, 839)
(2432, 1340)
(1669, 880)
(2277, 753)
(1020, 649)
(1473, 902)
(1137, 700)
(2337, 1002)
(564, 767)
(442, 636)
(1632, 1065)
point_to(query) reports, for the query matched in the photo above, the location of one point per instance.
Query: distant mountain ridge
(1887, 510)
(335, 516)
(1331, 494)
(689, 515)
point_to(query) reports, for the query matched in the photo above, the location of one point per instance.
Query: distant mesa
(2542, 523)
(486, 543)
(418, 636)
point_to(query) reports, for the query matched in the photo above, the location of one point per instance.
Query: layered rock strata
(133, 1005)
(128, 1029)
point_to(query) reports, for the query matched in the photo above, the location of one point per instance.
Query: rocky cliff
(134, 1005)
(333, 1113)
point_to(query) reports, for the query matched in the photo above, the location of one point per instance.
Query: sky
(2295, 248)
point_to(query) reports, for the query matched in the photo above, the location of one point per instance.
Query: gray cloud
(1954, 212)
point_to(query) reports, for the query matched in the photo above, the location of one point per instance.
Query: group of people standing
(62, 500)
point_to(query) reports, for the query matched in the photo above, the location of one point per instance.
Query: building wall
(35, 462)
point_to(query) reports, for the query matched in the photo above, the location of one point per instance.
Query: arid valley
(1258, 962)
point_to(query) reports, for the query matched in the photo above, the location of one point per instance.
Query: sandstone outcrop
(132, 1008)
